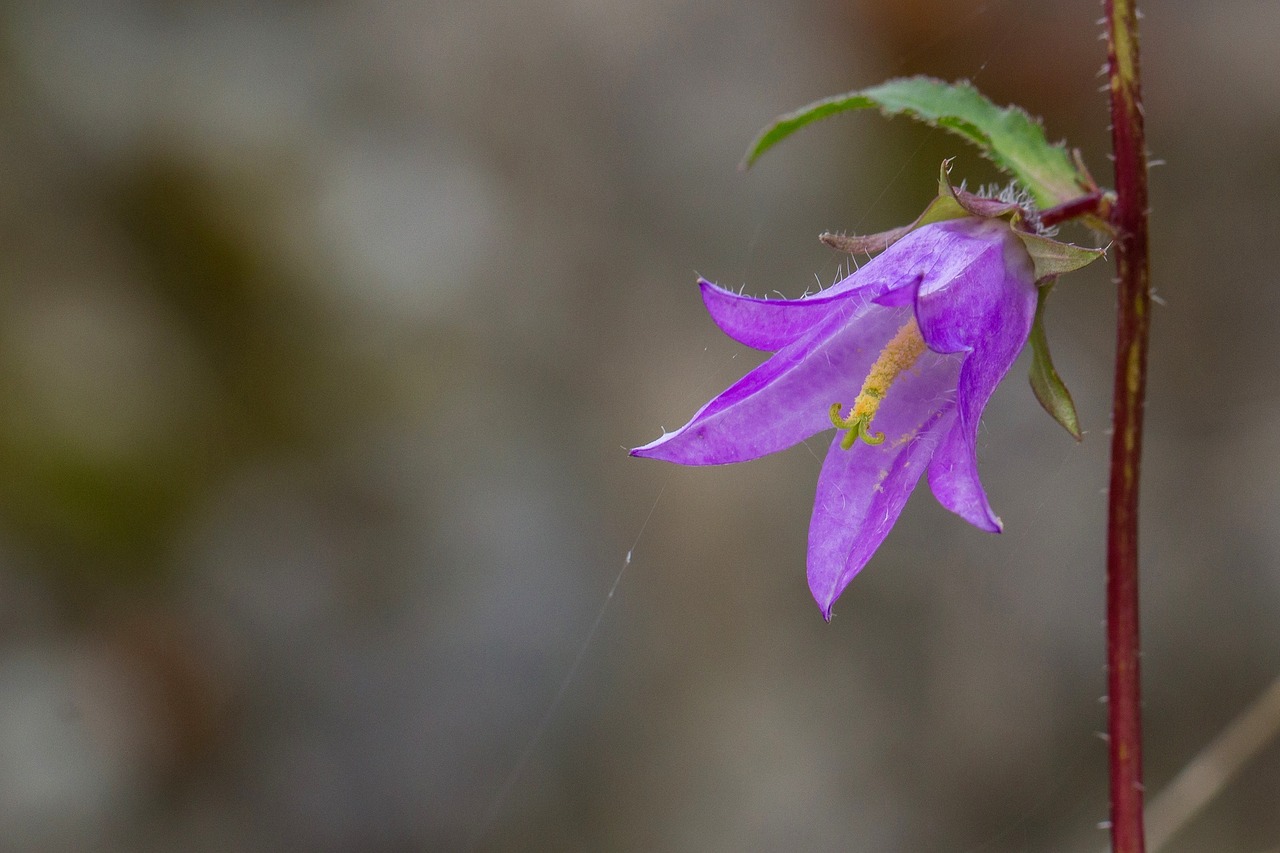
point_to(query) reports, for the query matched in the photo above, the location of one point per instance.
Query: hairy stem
(1129, 218)
(1086, 205)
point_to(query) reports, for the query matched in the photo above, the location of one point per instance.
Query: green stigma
(901, 353)
(858, 426)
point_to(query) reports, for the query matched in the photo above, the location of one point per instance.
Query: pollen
(899, 354)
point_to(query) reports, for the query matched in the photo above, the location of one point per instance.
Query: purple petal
(770, 324)
(982, 304)
(764, 324)
(981, 275)
(788, 398)
(861, 491)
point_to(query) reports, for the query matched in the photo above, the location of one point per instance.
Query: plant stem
(1092, 204)
(1129, 217)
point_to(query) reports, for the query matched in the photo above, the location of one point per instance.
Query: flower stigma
(899, 354)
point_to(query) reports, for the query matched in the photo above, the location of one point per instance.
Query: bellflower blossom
(912, 345)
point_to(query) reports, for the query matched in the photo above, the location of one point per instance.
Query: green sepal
(1053, 258)
(1008, 137)
(1045, 381)
(1050, 257)
(946, 205)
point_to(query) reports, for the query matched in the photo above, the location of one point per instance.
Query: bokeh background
(324, 327)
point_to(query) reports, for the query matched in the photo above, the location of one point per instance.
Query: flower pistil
(899, 354)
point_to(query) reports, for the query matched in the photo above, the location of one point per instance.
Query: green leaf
(1008, 137)
(1045, 381)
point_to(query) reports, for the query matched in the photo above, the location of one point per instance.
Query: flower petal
(861, 491)
(982, 276)
(770, 324)
(983, 307)
(764, 324)
(787, 398)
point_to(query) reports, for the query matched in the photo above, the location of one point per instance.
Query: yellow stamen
(898, 355)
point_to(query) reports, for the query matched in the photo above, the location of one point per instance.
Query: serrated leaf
(1008, 137)
(1045, 381)
(785, 125)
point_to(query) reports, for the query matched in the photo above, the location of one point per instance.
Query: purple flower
(901, 357)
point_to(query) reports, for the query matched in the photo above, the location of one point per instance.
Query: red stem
(1094, 203)
(1129, 217)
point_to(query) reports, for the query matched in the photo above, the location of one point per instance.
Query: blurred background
(324, 329)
